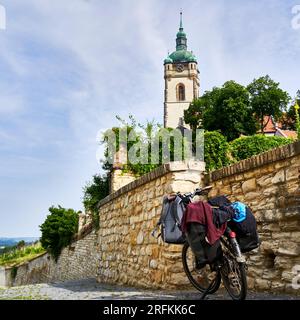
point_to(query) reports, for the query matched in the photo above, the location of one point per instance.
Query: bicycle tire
(194, 282)
(243, 281)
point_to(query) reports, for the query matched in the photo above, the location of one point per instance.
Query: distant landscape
(8, 242)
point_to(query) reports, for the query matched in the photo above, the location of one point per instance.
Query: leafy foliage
(21, 244)
(142, 138)
(297, 118)
(216, 150)
(58, 229)
(267, 99)
(194, 114)
(246, 147)
(226, 109)
(236, 110)
(16, 255)
(95, 191)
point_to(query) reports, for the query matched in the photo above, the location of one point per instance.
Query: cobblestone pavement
(89, 289)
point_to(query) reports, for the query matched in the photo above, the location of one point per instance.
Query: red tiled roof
(269, 124)
(273, 127)
(290, 133)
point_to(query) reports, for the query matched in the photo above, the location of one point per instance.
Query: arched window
(180, 92)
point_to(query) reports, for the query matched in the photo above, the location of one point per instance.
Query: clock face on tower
(179, 67)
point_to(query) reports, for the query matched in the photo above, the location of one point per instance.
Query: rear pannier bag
(246, 232)
(170, 220)
(203, 251)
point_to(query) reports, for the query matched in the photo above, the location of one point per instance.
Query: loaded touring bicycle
(206, 265)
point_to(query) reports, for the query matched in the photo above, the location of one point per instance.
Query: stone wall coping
(277, 154)
(176, 166)
(24, 262)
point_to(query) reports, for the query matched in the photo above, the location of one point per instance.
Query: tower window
(180, 92)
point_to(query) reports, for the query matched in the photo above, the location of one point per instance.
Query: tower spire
(181, 27)
(181, 36)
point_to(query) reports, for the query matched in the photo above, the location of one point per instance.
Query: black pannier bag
(203, 251)
(246, 232)
(170, 220)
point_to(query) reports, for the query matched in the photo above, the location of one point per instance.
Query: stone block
(178, 166)
(155, 252)
(277, 286)
(188, 176)
(279, 177)
(182, 186)
(288, 276)
(289, 249)
(291, 225)
(153, 264)
(274, 227)
(249, 185)
(251, 282)
(252, 196)
(236, 188)
(262, 284)
(293, 173)
(179, 279)
(226, 189)
(264, 181)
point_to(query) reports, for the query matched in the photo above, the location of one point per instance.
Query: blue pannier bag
(244, 225)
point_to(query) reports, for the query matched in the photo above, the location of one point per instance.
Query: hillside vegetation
(20, 255)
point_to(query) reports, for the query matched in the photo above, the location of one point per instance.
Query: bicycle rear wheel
(234, 278)
(199, 278)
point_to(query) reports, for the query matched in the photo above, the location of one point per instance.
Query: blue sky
(67, 67)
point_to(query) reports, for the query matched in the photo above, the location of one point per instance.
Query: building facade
(181, 81)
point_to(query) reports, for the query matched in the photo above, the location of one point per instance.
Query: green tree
(58, 229)
(246, 147)
(93, 192)
(194, 114)
(267, 99)
(216, 150)
(228, 110)
(21, 244)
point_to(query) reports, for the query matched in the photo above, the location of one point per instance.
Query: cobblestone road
(89, 289)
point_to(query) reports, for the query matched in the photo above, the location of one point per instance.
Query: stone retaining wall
(128, 253)
(124, 252)
(77, 261)
(270, 185)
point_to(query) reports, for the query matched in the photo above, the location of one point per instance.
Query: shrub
(15, 255)
(58, 229)
(216, 150)
(246, 147)
(95, 191)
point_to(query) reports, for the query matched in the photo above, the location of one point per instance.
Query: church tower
(181, 81)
